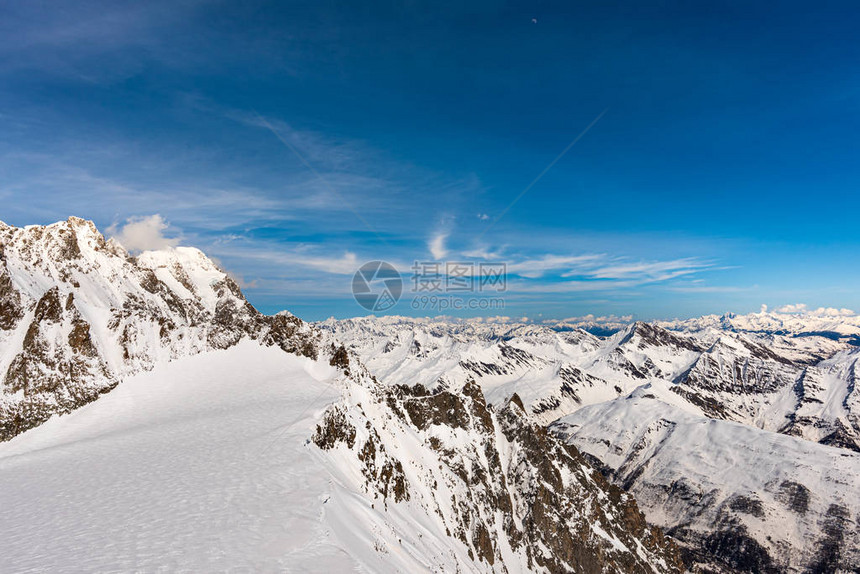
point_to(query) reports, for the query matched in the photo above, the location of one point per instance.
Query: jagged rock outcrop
(78, 314)
(512, 494)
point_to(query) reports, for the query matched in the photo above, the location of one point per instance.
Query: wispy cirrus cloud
(320, 153)
(597, 271)
(652, 270)
(536, 267)
(436, 245)
(686, 288)
(291, 257)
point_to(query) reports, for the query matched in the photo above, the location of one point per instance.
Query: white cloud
(534, 268)
(794, 308)
(483, 216)
(803, 309)
(484, 253)
(436, 245)
(832, 312)
(143, 233)
(501, 319)
(569, 286)
(654, 270)
(590, 318)
(345, 264)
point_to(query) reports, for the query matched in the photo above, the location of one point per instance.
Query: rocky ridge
(619, 398)
(78, 314)
(518, 498)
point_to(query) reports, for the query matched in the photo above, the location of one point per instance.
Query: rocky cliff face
(78, 314)
(500, 484)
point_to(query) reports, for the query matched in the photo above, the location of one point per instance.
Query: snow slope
(201, 464)
(179, 468)
(206, 464)
(760, 501)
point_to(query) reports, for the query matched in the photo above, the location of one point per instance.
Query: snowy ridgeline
(802, 386)
(743, 446)
(78, 314)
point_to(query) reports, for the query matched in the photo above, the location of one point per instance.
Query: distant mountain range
(740, 442)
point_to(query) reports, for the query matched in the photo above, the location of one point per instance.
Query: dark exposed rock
(515, 399)
(384, 473)
(794, 495)
(79, 338)
(334, 428)
(11, 310)
(510, 360)
(573, 378)
(834, 525)
(444, 408)
(49, 307)
(709, 405)
(546, 405)
(739, 552)
(842, 436)
(654, 336)
(747, 505)
(290, 334)
(547, 495)
(340, 358)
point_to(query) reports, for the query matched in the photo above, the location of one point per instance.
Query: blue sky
(294, 141)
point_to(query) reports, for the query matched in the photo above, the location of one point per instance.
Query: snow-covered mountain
(792, 320)
(802, 386)
(735, 496)
(787, 400)
(155, 421)
(78, 314)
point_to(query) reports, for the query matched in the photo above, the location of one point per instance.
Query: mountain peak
(111, 316)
